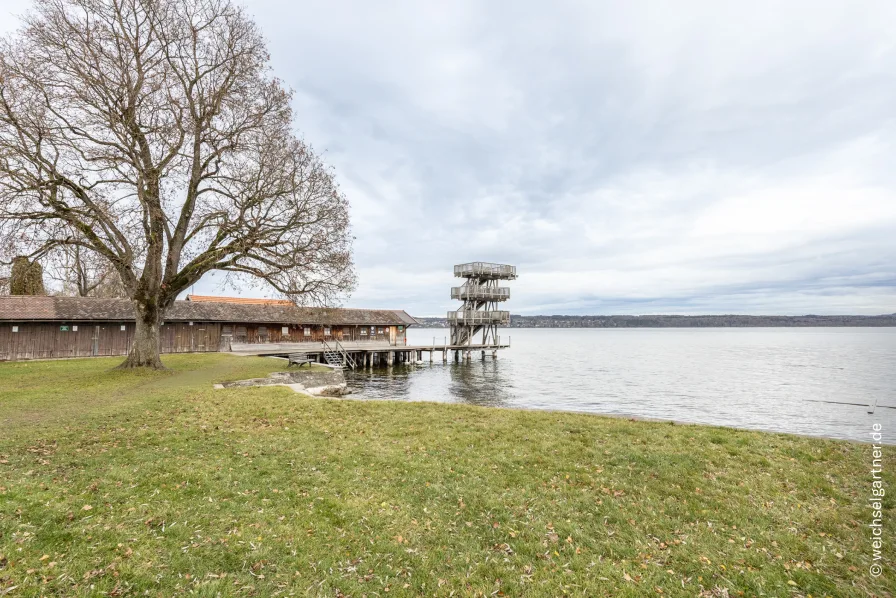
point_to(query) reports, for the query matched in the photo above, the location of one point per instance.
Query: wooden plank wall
(181, 337)
(44, 340)
(47, 340)
(273, 333)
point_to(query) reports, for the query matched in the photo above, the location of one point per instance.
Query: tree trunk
(145, 350)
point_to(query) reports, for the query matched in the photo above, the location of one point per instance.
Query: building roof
(241, 300)
(71, 309)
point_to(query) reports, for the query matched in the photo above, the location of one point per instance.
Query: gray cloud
(629, 157)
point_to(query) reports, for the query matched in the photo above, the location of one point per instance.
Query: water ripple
(757, 378)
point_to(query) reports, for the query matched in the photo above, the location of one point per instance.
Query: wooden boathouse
(40, 327)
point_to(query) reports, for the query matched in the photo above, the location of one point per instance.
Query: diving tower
(480, 296)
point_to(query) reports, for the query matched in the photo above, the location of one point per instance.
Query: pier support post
(390, 358)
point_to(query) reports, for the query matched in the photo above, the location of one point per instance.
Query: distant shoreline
(670, 321)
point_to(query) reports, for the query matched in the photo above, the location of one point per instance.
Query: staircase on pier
(336, 356)
(334, 359)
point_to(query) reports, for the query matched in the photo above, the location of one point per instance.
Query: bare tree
(82, 272)
(152, 133)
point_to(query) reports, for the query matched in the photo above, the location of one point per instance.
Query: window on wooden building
(263, 331)
(326, 331)
(284, 330)
(307, 330)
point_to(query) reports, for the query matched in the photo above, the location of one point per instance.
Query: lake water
(759, 378)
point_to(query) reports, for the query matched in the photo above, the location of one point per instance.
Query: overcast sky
(628, 157)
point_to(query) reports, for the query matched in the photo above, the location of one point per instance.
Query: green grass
(123, 484)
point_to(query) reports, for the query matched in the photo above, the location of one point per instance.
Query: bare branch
(149, 135)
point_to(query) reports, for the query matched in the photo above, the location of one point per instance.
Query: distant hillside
(661, 321)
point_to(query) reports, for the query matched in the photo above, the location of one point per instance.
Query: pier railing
(479, 292)
(479, 317)
(485, 269)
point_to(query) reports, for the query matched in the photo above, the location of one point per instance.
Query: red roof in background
(240, 300)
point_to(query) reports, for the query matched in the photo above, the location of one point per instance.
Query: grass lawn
(122, 484)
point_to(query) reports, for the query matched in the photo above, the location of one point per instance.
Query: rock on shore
(330, 383)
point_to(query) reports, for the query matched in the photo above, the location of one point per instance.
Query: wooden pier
(369, 354)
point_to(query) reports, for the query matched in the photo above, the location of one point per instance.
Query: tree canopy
(152, 133)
